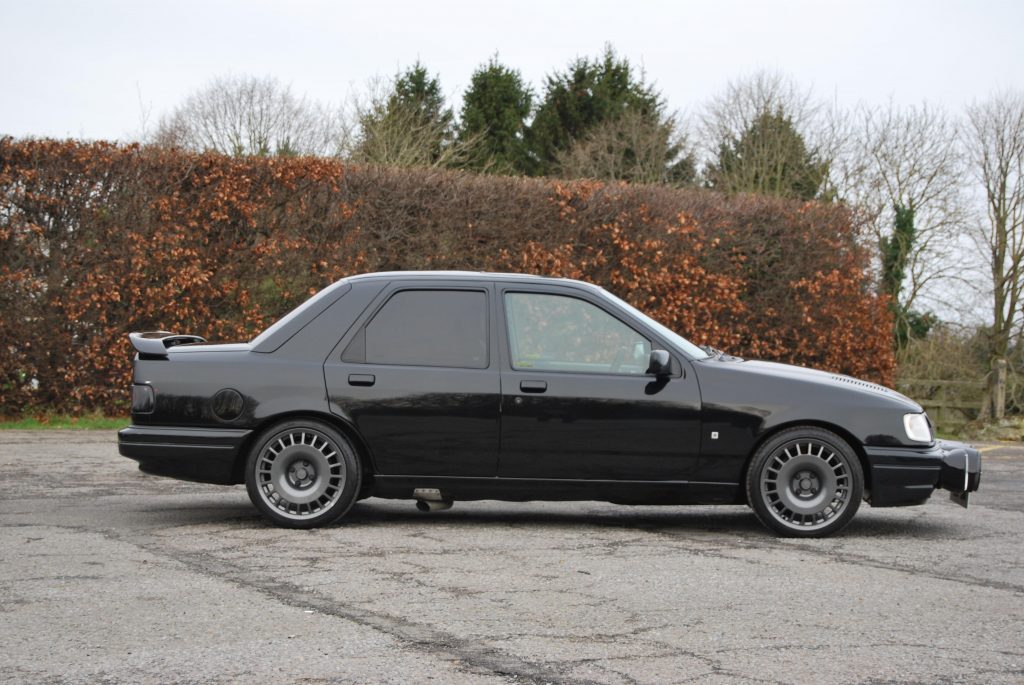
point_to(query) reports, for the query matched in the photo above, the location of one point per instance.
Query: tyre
(805, 482)
(302, 473)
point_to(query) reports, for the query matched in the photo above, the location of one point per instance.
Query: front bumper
(205, 455)
(961, 471)
(903, 476)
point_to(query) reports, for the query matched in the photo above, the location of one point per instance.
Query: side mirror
(660, 364)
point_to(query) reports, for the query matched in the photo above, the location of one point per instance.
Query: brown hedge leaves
(97, 240)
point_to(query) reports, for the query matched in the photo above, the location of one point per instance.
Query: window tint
(557, 333)
(426, 328)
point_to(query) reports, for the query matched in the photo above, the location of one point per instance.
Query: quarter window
(559, 333)
(426, 328)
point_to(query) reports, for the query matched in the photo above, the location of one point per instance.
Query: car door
(419, 380)
(576, 400)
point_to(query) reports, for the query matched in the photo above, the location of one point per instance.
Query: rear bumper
(205, 455)
(906, 476)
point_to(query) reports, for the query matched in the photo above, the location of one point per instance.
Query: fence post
(999, 390)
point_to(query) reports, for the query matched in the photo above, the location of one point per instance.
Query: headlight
(917, 427)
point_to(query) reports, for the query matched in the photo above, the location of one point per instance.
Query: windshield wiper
(712, 351)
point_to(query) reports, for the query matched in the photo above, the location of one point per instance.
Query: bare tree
(910, 159)
(634, 146)
(732, 112)
(250, 116)
(995, 142)
(764, 133)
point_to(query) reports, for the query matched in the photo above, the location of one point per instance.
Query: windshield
(682, 343)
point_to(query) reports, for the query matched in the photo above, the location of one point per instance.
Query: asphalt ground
(111, 576)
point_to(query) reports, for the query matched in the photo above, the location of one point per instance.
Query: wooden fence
(950, 404)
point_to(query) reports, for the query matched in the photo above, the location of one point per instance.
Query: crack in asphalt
(851, 558)
(480, 659)
(477, 658)
(474, 657)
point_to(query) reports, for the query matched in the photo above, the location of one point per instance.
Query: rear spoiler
(156, 343)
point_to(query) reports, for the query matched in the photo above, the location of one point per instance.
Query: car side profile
(444, 386)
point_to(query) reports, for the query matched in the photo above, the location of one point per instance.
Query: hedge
(99, 239)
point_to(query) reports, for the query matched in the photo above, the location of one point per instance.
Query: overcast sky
(90, 69)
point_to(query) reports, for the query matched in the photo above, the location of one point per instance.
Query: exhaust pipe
(430, 499)
(425, 505)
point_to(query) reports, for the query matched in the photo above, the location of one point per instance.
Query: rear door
(576, 400)
(419, 380)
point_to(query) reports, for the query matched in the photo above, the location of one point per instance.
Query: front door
(577, 402)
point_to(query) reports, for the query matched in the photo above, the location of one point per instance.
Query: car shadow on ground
(672, 520)
(721, 520)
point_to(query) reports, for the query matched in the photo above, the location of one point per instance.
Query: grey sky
(77, 69)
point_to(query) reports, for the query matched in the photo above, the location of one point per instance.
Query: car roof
(466, 275)
(285, 327)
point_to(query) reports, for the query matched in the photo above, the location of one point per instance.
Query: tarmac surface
(111, 576)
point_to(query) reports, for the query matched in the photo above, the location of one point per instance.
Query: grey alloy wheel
(805, 482)
(302, 473)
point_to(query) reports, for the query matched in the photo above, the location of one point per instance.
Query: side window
(559, 333)
(426, 328)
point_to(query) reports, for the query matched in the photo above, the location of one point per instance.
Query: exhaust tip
(432, 505)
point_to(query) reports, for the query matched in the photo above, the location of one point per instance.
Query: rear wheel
(805, 482)
(302, 473)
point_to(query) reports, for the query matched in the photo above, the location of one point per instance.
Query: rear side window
(426, 328)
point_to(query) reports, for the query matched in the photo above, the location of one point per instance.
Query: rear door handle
(533, 386)
(361, 379)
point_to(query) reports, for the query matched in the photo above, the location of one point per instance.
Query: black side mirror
(660, 364)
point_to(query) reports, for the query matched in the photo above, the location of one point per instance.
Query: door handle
(533, 386)
(366, 379)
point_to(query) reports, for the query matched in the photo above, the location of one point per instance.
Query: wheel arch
(346, 429)
(846, 435)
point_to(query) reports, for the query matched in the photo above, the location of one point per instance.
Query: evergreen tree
(417, 92)
(409, 126)
(493, 123)
(587, 94)
(770, 157)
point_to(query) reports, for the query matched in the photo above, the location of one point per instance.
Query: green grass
(86, 422)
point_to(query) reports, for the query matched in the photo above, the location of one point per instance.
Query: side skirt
(528, 489)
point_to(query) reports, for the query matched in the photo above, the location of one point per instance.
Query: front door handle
(533, 386)
(366, 379)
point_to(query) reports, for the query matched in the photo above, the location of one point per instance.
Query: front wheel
(805, 482)
(302, 474)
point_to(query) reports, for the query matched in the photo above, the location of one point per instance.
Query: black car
(439, 386)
